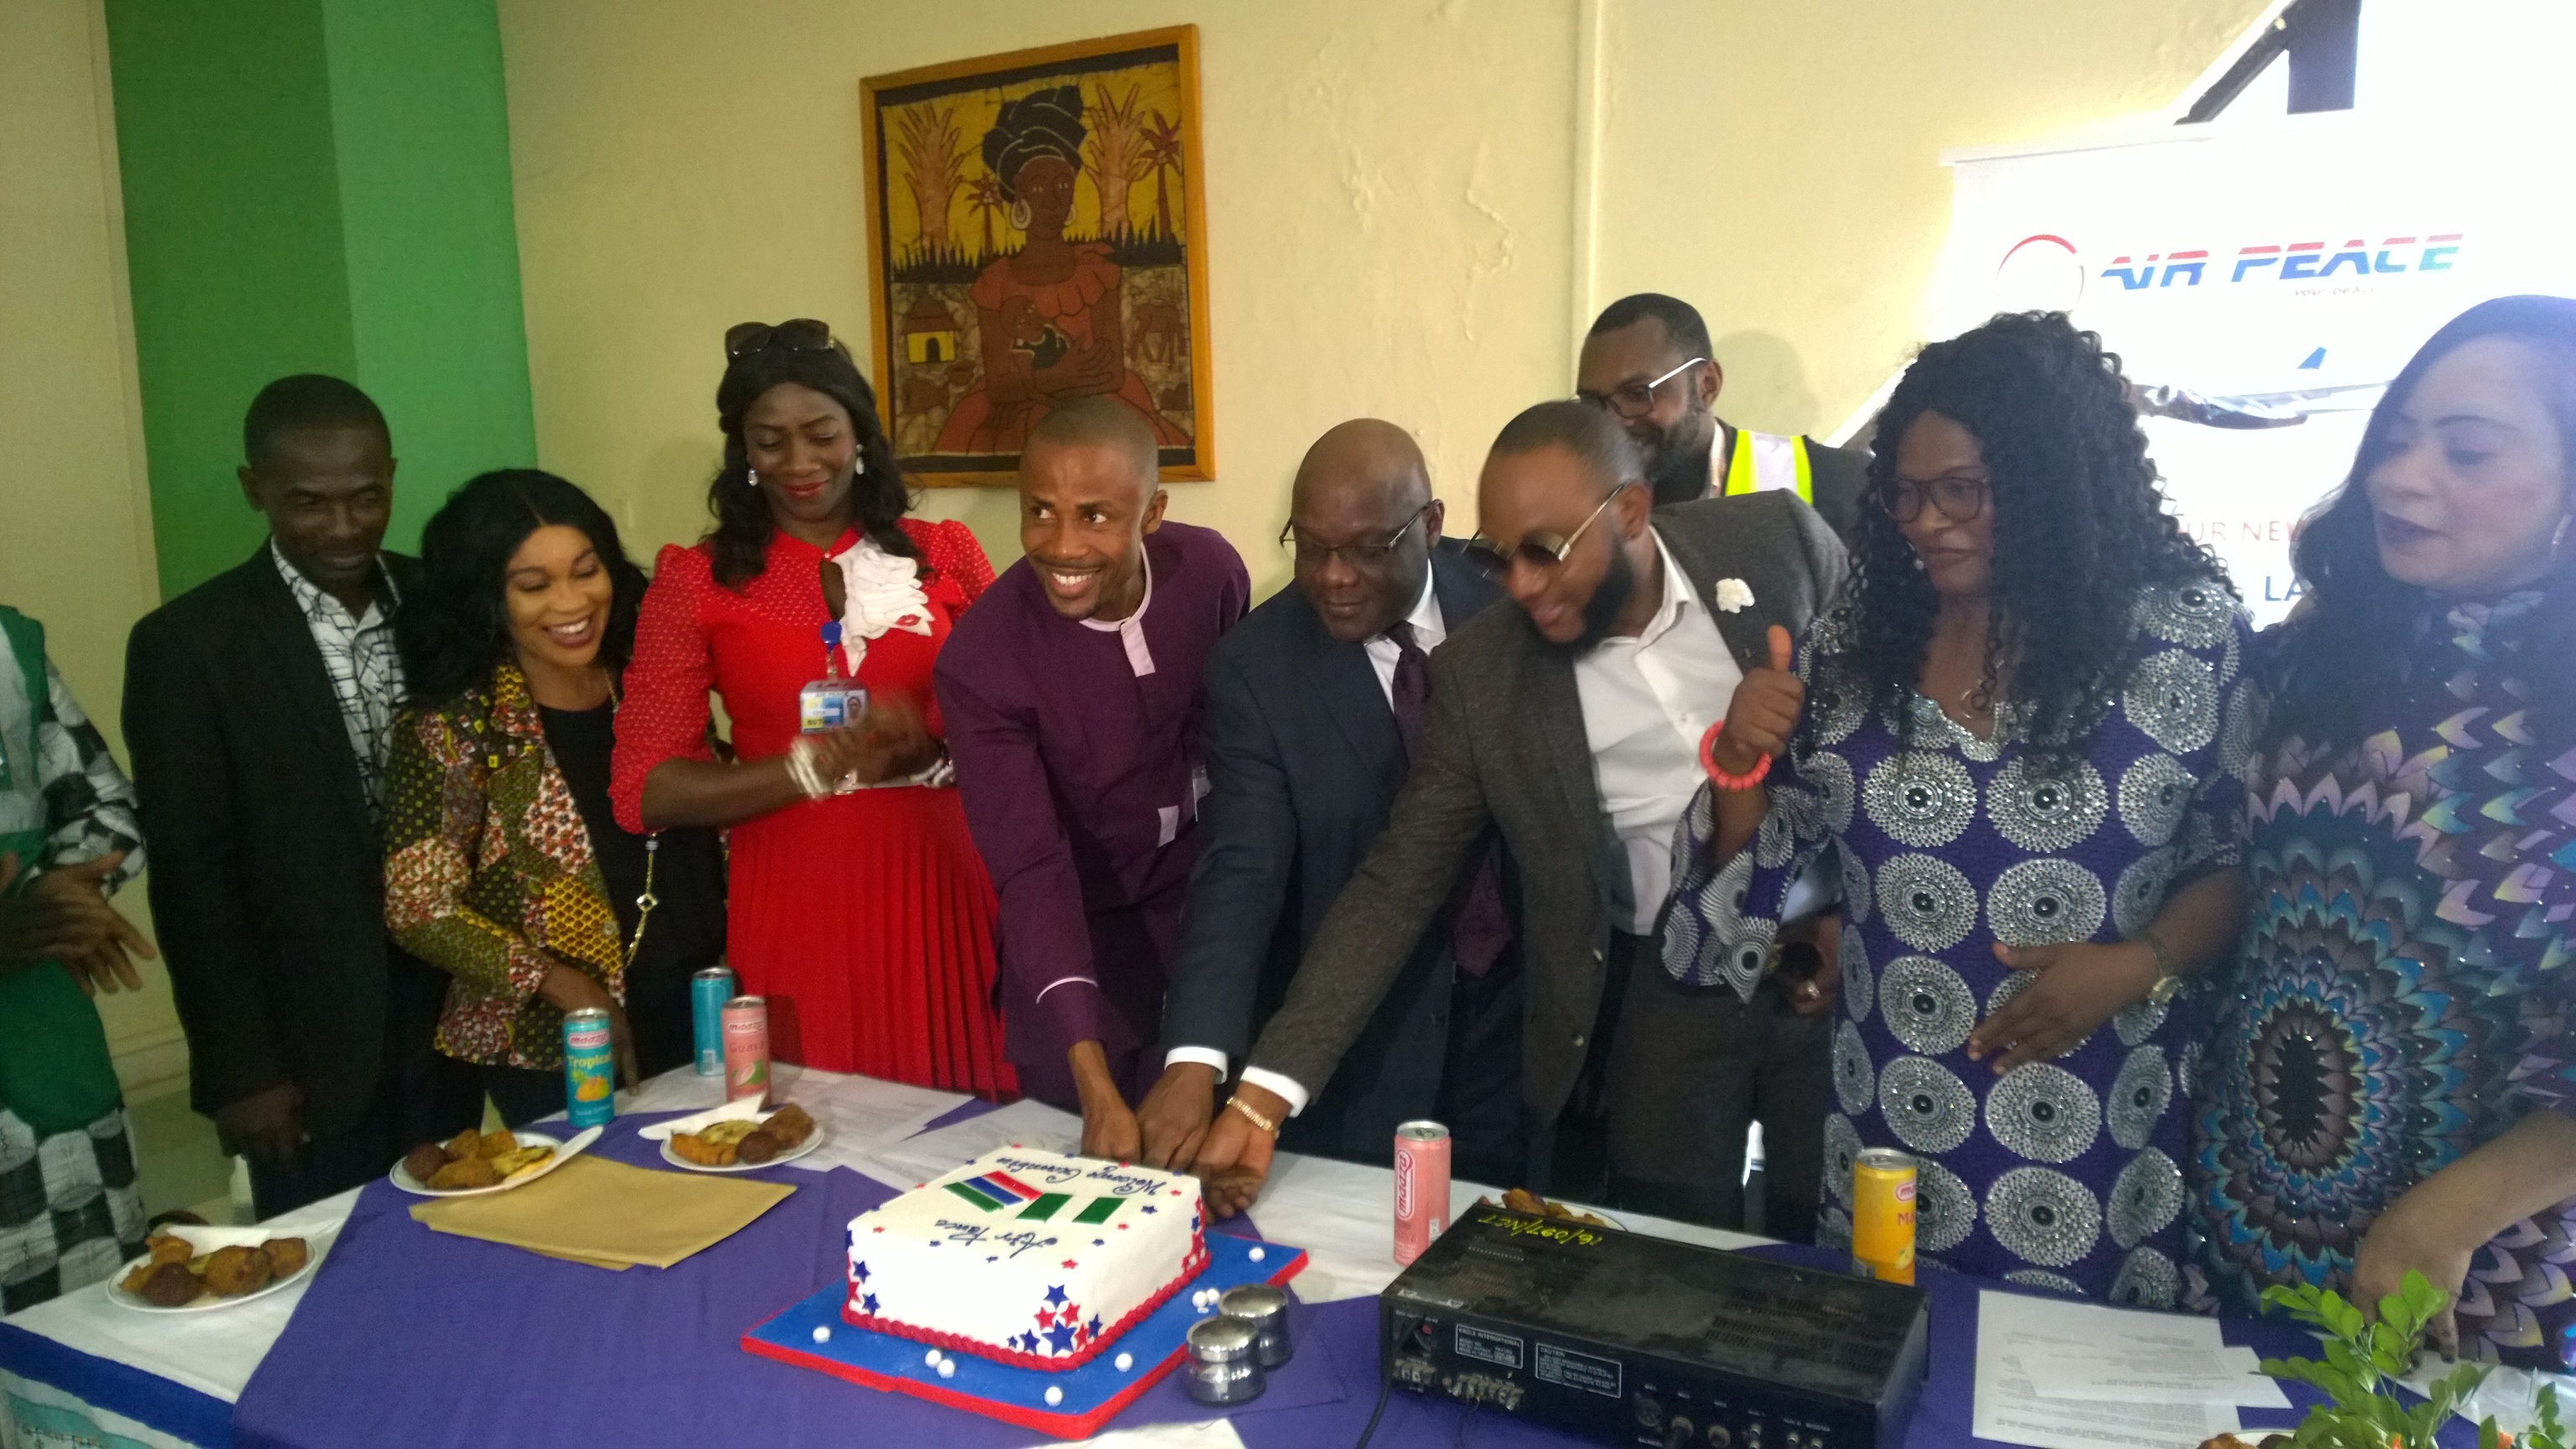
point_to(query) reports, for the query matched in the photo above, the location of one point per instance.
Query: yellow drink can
(1883, 1215)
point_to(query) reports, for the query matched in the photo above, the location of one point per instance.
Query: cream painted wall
(75, 534)
(1387, 226)
(1402, 193)
(1779, 165)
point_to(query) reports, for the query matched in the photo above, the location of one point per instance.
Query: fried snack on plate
(757, 1147)
(235, 1271)
(698, 1148)
(1522, 1200)
(168, 1248)
(470, 1172)
(424, 1162)
(511, 1164)
(465, 1144)
(133, 1282)
(171, 1285)
(788, 1126)
(286, 1256)
(729, 1132)
(498, 1144)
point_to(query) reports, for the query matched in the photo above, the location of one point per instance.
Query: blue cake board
(1093, 1393)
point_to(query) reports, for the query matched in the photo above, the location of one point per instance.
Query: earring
(751, 476)
(1020, 215)
(2558, 539)
(1918, 563)
(859, 469)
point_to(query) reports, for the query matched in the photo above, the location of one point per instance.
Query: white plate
(206, 1240)
(401, 1176)
(812, 1140)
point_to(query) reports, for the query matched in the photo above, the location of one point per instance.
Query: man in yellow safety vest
(1647, 362)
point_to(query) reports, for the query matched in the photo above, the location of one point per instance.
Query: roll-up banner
(2261, 284)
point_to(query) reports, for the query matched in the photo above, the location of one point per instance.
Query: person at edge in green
(70, 1210)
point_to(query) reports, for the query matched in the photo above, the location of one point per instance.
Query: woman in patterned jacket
(2391, 1079)
(2021, 733)
(505, 866)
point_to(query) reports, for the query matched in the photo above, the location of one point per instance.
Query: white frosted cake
(1029, 1258)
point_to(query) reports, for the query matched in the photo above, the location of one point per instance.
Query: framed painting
(1037, 233)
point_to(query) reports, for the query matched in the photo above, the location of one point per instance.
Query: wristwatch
(2169, 980)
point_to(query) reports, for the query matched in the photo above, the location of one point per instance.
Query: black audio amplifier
(1631, 1339)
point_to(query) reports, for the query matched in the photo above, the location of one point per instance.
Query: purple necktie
(1474, 912)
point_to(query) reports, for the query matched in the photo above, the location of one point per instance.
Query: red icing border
(1063, 1426)
(1191, 1267)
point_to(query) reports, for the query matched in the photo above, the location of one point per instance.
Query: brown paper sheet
(608, 1214)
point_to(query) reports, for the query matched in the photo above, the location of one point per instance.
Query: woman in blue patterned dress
(2389, 1081)
(2020, 733)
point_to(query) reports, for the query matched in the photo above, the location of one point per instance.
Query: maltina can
(1883, 1215)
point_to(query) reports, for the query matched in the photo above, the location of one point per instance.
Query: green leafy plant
(2362, 1366)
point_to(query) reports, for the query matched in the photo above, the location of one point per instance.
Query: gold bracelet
(1257, 1120)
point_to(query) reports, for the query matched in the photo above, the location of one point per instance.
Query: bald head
(1102, 423)
(1369, 457)
(1363, 522)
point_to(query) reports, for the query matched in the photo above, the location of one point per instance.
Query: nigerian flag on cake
(1027, 1258)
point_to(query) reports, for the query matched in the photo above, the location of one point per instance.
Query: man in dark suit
(1648, 363)
(1310, 704)
(1572, 723)
(256, 705)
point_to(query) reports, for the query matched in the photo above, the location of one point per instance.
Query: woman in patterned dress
(858, 906)
(504, 865)
(2020, 733)
(2390, 1077)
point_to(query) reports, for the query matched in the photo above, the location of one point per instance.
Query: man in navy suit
(1310, 704)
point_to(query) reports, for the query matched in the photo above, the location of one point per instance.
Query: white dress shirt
(1646, 702)
(365, 671)
(1430, 631)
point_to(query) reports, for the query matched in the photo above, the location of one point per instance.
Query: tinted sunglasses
(1540, 548)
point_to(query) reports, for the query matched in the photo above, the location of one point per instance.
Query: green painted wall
(316, 186)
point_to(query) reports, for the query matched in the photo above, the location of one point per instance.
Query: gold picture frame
(1044, 208)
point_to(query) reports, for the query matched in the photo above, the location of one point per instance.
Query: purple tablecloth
(414, 1337)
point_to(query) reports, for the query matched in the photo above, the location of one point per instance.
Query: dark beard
(1679, 472)
(1601, 611)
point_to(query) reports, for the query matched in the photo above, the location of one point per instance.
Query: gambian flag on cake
(1028, 1258)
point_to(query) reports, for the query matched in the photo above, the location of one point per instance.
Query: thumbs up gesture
(1764, 712)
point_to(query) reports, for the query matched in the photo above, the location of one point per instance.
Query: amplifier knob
(1718, 1437)
(1680, 1435)
(1650, 1411)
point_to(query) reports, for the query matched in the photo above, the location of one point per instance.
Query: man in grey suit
(1572, 723)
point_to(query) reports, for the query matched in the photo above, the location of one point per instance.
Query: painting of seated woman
(1035, 238)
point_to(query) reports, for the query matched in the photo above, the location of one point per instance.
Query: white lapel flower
(1733, 596)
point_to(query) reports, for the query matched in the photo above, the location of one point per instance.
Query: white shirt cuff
(1204, 1056)
(1289, 1092)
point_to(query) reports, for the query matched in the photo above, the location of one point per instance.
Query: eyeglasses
(1540, 548)
(1958, 499)
(1636, 399)
(797, 334)
(1366, 557)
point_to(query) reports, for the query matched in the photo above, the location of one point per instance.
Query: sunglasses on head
(797, 334)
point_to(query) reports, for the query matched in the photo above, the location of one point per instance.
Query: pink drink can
(746, 1047)
(1421, 1187)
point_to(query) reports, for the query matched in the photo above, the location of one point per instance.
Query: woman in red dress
(857, 903)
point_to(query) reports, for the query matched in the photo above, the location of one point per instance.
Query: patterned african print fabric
(2062, 1174)
(489, 874)
(2400, 995)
